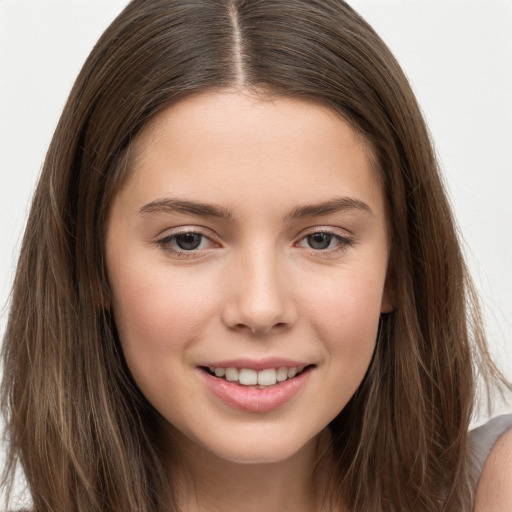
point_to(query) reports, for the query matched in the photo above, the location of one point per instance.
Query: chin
(260, 445)
(252, 455)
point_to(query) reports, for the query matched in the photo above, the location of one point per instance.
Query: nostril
(262, 330)
(258, 317)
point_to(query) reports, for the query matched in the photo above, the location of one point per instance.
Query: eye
(185, 242)
(188, 241)
(324, 240)
(319, 241)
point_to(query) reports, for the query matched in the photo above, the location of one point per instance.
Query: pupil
(319, 240)
(188, 241)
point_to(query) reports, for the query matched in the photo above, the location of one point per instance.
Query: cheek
(346, 303)
(156, 313)
(158, 317)
(345, 314)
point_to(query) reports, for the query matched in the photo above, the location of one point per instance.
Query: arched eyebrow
(170, 205)
(200, 209)
(335, 205)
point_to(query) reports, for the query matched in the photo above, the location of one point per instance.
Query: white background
(457, 55)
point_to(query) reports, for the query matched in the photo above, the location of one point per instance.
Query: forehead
(220, 143)
(249, 111)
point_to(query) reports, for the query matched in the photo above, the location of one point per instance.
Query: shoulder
(494, 490)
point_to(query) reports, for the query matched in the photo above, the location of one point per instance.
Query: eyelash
(167, 242)
(342, 242)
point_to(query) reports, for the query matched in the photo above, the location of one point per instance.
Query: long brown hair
(76, 422)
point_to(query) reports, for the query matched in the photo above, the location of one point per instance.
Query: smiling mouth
(261, 379)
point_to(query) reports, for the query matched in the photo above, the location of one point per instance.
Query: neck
(206, 482)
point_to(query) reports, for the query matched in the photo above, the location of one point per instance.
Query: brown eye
(187, 244)
(325, 243)
(319, 241)
(188, 241)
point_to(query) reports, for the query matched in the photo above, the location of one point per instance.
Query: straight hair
(84, 435)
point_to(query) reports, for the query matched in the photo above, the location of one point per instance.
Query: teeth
(248, 377)
(231, 374)
(267, 377)
(282, 374)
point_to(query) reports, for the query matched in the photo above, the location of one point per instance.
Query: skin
(494, 492)
(254, 287)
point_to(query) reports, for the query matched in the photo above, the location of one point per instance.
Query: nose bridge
(260, 299)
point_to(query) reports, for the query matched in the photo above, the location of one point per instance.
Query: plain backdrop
(457, 55)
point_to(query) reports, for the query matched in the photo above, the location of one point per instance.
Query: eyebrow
(170, 205)
(337, 204)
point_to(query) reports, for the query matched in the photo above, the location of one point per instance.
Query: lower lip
(252, 399)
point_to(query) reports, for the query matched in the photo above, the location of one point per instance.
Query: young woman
(240, 286)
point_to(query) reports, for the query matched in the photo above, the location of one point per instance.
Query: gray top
(482, 440)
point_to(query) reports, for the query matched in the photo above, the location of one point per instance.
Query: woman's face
(248, 244)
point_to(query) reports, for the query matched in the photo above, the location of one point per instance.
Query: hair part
(77, 423)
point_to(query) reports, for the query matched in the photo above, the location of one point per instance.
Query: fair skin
(254, 283)
(251, 233)
(494, 492)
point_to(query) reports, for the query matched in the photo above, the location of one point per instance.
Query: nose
(260, 298)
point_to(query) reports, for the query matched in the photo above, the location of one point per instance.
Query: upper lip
(256, 364)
